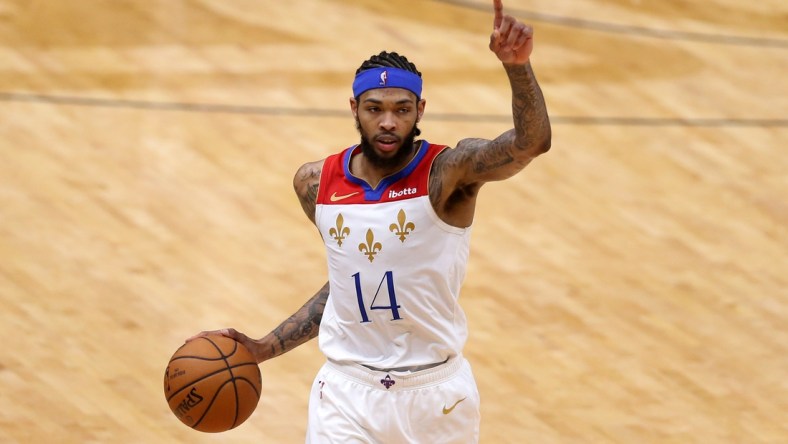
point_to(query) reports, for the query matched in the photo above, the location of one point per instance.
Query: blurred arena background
(631, 286)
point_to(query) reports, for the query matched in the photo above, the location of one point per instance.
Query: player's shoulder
(308, 167)
(308, 173)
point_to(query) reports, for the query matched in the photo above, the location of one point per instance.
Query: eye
(373, 109)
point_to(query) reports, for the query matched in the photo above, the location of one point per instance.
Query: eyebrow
(398, 102)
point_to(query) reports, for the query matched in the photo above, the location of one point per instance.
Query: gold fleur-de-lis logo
(340, 232)
(403, 228)
(371, 248)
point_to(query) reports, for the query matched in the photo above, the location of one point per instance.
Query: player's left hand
(511, 40)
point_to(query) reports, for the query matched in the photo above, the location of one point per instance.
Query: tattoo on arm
(306, 185)
(513, 150)
(496, 156)
(531, 123)
(457, 175)
(309, 199)
(302, 326)
(483, 155)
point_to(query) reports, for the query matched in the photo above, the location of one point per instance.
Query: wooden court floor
(630, 286)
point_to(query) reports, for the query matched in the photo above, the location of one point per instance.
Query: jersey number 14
(388, 278)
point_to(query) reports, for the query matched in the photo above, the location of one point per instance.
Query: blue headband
(386, 78)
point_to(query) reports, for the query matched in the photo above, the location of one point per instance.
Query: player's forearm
(299, 328)
(532, 133)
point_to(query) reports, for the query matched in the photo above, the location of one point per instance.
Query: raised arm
(477, 161)
(458, 174)
(512, 42)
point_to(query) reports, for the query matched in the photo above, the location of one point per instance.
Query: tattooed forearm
(302, 326)
(531, 123)
(476, 161)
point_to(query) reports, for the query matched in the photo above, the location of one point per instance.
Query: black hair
(388, 60)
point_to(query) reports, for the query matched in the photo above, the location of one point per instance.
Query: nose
(388, 122)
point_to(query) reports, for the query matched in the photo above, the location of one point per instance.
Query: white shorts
(353, 404)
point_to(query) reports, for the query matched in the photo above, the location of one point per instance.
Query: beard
(403, 152)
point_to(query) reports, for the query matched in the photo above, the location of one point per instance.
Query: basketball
(212, 384)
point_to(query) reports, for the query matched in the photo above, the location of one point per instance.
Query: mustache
(387, 135)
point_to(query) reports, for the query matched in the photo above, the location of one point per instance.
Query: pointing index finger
(498, 6)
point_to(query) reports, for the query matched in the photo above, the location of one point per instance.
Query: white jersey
(395, 269)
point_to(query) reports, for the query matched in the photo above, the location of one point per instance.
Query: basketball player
(395, 215)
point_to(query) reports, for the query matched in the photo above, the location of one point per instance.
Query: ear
(354, 107)
(420, 109)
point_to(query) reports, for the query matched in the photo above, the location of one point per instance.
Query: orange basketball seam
(213, 399)
(251, 384)
(232, 379)
(221, 353)
(199, 358)
(206, 376)
(191, 383)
